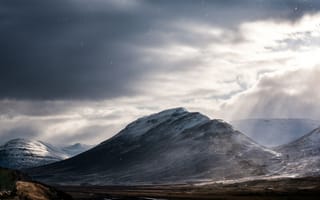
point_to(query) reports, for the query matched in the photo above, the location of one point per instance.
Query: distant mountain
(23, 153)
(76, 149)
(171, 146)
(306, 146)
(302, 155)
(275, 132)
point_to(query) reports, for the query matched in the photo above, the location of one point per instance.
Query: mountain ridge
(170, 146)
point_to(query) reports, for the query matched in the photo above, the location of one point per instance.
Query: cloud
(64, 122)
(91, 50)
(289, 94)
(82, 70)
(60, 51)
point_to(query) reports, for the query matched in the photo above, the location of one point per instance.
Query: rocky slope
(302, 155)
(171, 146)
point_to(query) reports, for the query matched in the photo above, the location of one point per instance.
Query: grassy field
(276, 189)
(296, 189)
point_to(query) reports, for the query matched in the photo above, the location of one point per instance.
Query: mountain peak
(146, 123)
(173, 111)
(164, 113)
(21, 142)
(76, 149)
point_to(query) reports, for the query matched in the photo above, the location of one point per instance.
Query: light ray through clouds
(263, 67)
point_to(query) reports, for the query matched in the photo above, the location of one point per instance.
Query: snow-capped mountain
(171, 146)
(24, 153)
(275, 132)
(302, 155)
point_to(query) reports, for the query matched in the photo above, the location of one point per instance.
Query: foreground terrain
(283, 188)
(17, 186)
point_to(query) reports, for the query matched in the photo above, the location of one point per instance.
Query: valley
(307, 188)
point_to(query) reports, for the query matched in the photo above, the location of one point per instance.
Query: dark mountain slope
(171, 146)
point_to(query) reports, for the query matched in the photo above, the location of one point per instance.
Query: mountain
(302, 155)
(306, 146)
(76, 149)
(172, 146)
(275, 132)
(23, 153)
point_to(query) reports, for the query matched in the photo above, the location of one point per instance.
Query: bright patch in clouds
(287, 94)
(222, 68)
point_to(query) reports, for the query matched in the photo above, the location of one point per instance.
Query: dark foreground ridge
(285, 188)
(17, 186)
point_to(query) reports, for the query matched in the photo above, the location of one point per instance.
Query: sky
(80, 70)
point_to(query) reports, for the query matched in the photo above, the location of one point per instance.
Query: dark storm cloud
(12, 108)
(89, 49)
(52, 50)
